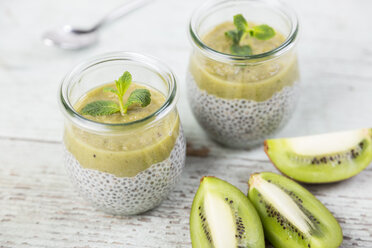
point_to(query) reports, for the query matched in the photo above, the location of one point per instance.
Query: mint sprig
(139, 97)
(122, 86)
(261, 32)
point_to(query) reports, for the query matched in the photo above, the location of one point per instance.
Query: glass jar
(242, 100)
(124, 168)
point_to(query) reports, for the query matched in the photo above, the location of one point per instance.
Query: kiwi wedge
(322, 158)
(291, 215)
(222, 217)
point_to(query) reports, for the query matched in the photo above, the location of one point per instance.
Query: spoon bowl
(66, 37)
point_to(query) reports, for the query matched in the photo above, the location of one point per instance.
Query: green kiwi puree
(128, 152)
(251, 81)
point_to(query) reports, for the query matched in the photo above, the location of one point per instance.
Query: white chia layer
(241, 123)
(128, 195)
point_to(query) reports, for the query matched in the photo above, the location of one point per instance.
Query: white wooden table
(38, 205)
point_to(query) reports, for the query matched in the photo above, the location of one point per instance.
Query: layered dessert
(133, 169)
(242, 101)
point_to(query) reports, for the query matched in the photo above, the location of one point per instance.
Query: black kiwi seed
(272, 212)
(204, 225)
(353, 154)
(323, 160)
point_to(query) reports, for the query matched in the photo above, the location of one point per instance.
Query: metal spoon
(68, 37)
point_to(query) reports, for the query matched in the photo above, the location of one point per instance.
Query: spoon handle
(120, 12)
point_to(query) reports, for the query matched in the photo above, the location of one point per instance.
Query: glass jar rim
(225, 57)
(149, 62)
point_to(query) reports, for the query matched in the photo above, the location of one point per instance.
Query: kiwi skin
(324, 230)
(247, 217)
(323, 170)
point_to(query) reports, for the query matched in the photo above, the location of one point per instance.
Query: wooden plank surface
(38, 206)
(41, 209)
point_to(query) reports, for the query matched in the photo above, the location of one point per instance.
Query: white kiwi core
(221, 221)
(284, 204)
(327, 143)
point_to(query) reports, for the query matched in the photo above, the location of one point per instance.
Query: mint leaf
(111, 90)
(262, 32)
(98, 108)
(233, 35)
(140, 97)
(241, 50)
(123, 83)
(122, 86)
(240, 23)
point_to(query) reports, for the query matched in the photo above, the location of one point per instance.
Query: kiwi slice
(291, 215)
(322, 158)
(222, 217)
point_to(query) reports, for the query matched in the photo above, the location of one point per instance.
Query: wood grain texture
(38, 205)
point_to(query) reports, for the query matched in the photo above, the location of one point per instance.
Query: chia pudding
(124, 164)
(240, 100)
(128, 195)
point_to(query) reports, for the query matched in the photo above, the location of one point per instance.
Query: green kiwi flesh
(322, 158)
(291, 215)
(222, 217)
